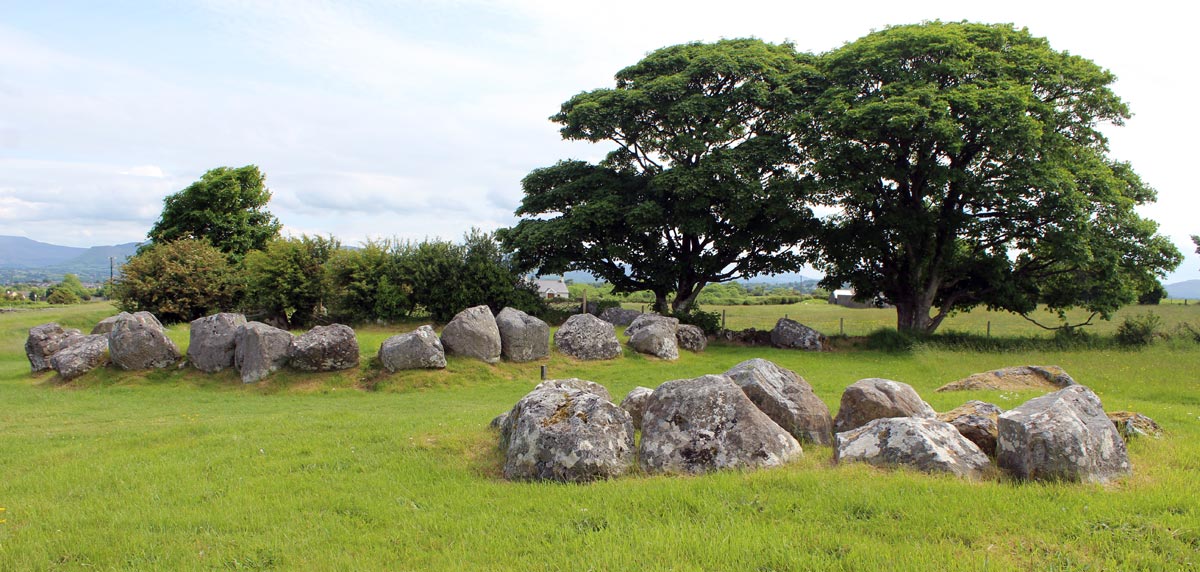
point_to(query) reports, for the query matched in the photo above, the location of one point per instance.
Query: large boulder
(646, 320)
(84, 354)
(1019, 378)
(260, 349)
(473, 333)
(418, 349)
(619, 316)
(105, 326)
(790, 334)
(324, 348)
(924, 444)
(522, 337)
(1063, 435)
(44, 341)
(577, 384)
(869, 399)
(691, 338)
(707, 423)
(976, 420)
(567, 435)
(141, 344)
(635, 404)
(786, 398)
(586, 337)
(656, 338)
(213, 341)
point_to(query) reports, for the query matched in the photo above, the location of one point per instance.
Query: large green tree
(227, 207)
(178, 281)
(965, 166)
(703, 185)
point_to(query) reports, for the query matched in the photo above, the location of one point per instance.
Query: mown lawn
(176, 470)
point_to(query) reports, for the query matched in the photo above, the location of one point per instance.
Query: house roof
(843, 292)
(555, 286)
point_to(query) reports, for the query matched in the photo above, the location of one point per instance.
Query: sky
(416, 119)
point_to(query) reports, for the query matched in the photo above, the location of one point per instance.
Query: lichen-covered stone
(135, 344)
(1131, 425)
(586, 337)
(522, 337)
(575, 383)
(324, 348)
(786, 398)
(924, 444)
(691, 338)
(656, 338)
(646, 320)
(82, 355)
(106, 325)
(635, 404)
(43, 342)
(790, 334)
(567, 435)
(418, 349)
(1048, 377)
(869, 399)
(619, 316)
(213, 341)
(259, 350)
(473, 333)
(1063, 435)
(976, 420)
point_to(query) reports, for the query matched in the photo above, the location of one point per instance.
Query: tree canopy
(702, 186)
(226, 207)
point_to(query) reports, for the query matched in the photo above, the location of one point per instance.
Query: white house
(552, 288)
(845, 297)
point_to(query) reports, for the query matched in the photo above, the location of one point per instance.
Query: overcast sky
(418, 119)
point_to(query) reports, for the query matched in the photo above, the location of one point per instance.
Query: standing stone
(325, 348)
(645, 320)
(1063, 435)
(44, 341)
(84, 354)
(691, 338)
(213, 341)
(259, 350)
(619, 316)
(707, 423)
(473, 333)
(790, 334)
(586, 337)
(567, 435)
(869, 399)
(418, 349)
(924, 444)
(635, 404)
(106, 325)
(522, 337)
(976, 420)
(141, 344)
(786, 398)
(657, 339)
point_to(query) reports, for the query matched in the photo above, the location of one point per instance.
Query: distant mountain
(25, 260)
(21, 252)
(1189, 289)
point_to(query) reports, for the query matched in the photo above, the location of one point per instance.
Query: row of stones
(756, 415)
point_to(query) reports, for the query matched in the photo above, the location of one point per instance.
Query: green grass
(176, 470)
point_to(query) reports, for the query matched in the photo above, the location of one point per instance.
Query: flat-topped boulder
(259, 350)
(691, 338)
(790, 334)
(44, 341)
(976, 420)
(522, 337)
(869, 399)
(927, 445)
(656, 338)
(586, 337)
(81, 355)
(646, 320)
(786, 398)
(105, 326)
(635, 404)
(418, 349)
(1061, 436)
(575, 383)
(324, 348)
(473, 333)
(708, 423)
(135, 344)
(567, 435)
(213, 341)
(1019, 378)
(619, 316)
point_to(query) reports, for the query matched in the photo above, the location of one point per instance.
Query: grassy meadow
(359, 470)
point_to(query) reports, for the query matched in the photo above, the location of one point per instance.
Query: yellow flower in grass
(2, 521)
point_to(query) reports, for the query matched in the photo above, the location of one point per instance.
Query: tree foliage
(288, 280)
(227, 207)
(702, 186)
(177, 281)
(369, 283)
(447, 278)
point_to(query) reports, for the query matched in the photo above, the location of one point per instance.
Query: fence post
(543, 373)
(723, 318)
(643, 308)
(989, 331)
(842, 326)
(583, 307)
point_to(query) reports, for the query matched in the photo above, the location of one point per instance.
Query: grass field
(176, 470)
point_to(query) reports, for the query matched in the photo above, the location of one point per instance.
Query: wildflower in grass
(2, 521)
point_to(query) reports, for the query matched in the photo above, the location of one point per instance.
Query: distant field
(176, 470)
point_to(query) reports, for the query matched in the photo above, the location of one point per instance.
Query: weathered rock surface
(976, 420)
(106, 325)
(418, 349)
(473, 333)
(213, 340)
(619, 316)
(498, 422)
(1131, 425)
(790, 334)
(44, 341)
(324, 348)
(141, 344)
(586, 337)
(1063, 435)
(577, 384)
(1048, 377)
(522, 337)
(924, 444)
(645, 320)
(691, 338)
(84, 354)
(259, 350)
(707, 423)
(873, 398)
(657, 339)
(567, 435)
(786, 398)
(635, 404)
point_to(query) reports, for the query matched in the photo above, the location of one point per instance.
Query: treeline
(728, 294)
(298, 282)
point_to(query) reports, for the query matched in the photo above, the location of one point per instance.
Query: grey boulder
(586, 337)
(924, 444)
(869, 399)
(645, 320)
(522, 337)
(106, 325)
(213, 341)
(691, 338)
(790, 334)
(707, 423)
(1064, 436)
(619, 316)
(577, 384)
(324, 348)
(567, 435)
(44, 341)
(656, 338)
(976, 420)
(418, 349)
(84, 354)
(635, 404)
(259, 350)
(786, 398)
(141, 344)
(473, 333)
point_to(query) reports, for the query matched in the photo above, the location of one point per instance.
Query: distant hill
(21, 252)
(1189, 289)
(25, 260)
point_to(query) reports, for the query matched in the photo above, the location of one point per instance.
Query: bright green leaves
(227, 207)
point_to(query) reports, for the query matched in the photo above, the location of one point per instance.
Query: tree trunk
(912, 316)
(660, 302)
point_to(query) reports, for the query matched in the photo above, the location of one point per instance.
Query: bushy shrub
(368, 284)
(1139, 330)
(890, 340)
(177, 281)
(288, 280)
(62, 296)
(710, 322)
